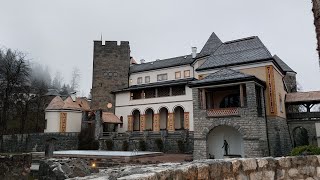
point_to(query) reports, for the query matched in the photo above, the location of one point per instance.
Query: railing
(106, 134)
(304, 115)
(223, 112)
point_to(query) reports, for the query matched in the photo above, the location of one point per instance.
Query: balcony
(222, 112)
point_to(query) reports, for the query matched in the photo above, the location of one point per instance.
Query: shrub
(125, 146)
(181, 146)
(305, 150)
(142, 145)
(109, 144)
(159, 144)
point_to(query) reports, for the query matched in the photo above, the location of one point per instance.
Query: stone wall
(309, 125)
(111, 63)
(302, 167)
(279, 136)
(16, 166)
(169, 140)
(251, 126)
(37, 142)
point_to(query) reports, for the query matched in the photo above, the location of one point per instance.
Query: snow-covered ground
(105, 153)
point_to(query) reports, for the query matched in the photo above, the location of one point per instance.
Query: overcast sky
(60, 33)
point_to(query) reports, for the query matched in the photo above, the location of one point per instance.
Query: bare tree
(14, 73)
(75, 79)
(57, 81)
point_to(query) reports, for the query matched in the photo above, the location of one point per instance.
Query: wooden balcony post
(241, 96)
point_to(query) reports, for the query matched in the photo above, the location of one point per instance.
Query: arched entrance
(300, 136)
(163, 118)
(222, 136)
(149, 119)
(136, 120)
(178, 118)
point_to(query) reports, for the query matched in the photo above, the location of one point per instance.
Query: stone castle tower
(111, 63)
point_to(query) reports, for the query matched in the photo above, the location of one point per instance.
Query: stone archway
(178, 118)
(216, 145)
(300, 136)
(136, 120)
(163, 118)
(149, 119)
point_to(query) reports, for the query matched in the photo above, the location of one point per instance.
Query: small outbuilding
(65, 115)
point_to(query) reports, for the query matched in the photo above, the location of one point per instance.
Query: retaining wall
(37, 141)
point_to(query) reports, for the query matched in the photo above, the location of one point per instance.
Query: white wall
(318, 133)
(216, 138)
(125, 106)
(153, 74)
(73, 121)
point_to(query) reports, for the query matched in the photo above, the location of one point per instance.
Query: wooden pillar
(156, 122)
(186, 120)
(130, 123)
(156, 92)
(241, 96)
(170, 125)
(142, 123)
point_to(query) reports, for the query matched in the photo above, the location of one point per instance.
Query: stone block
(293, 172)
(284, 162)
(249, 164)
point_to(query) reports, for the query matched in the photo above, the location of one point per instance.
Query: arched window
(163, 118)
(136, 120)
(232, 100)
(178, 118)
(149, 119)
(121, 119)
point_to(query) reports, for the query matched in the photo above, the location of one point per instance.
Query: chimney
(142, 61)
(194, 52)
(73, 96)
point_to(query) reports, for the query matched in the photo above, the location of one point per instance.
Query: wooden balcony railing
(223, 112)
(304, 115)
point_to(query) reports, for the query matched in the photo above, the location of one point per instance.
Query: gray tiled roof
(52, 92)
(211, 45)
(282, 64)
(176, 61)
(237, 52)
(158, 84)
(222, 76)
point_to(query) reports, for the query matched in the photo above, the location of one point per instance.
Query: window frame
(145, 79)
(162, 75)
(184, 73)
(139, 82)
(179, 73)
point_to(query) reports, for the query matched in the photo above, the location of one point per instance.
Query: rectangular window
(162, 77)
(280, 102)
(150, 93)
(187, 73)
(136, 94)
(163, 91)
(259, 100)
(147, 79)
(178, 75)
(139, 80)
(178, 90)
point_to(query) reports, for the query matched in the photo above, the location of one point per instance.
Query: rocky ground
(301, 167)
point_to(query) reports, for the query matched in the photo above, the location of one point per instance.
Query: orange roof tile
(56, 103)
(108, 117)
(303, 97)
